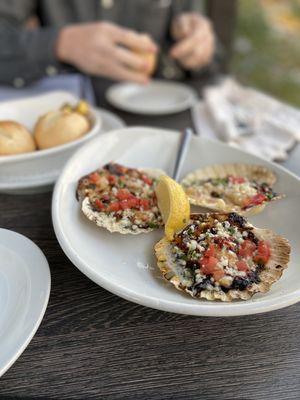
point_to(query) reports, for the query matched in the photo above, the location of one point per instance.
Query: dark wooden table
(94, 345)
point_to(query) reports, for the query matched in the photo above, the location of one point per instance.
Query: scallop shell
(103, 220)
(280, 255)
(252, 172)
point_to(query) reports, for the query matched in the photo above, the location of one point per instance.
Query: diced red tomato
(147, 180)
(218, 274)
(123, 194)
(94, 177)
(263, 252)
(210, 252)
(133, 203)
(209, 262)
(247, 248)
(124, 204)
(255, 200)
(99, 204)
(209, 267)
(115, 206)
(112, 179)
(242, 266)
(145, 204)
(236, 179)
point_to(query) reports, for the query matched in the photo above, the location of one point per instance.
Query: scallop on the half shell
(220, 256)
(242, 188)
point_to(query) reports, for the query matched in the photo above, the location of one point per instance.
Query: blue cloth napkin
(78, 85)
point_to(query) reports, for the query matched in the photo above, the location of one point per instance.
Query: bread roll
(15, 139)
(59, 127)
(150, 58)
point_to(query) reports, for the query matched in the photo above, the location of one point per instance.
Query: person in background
(103, 38)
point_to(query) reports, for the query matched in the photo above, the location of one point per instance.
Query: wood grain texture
(94, 345)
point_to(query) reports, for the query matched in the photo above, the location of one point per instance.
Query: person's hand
(103, 49)
(195, 42)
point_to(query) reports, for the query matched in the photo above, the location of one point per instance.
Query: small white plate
(125, 264)
(24, 293)
(110, 121)
(156, 98)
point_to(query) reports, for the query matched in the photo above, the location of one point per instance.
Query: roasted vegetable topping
(219, 252)
(126, 194)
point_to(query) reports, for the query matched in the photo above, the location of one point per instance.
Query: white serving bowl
(36, 171)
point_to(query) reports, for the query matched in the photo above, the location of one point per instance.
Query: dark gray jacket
(28, 54)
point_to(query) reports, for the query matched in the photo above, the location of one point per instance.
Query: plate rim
(235, 309)
(110, 97)
(44, 302)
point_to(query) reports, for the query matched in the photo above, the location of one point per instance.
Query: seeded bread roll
(59, 127)
(15, 139)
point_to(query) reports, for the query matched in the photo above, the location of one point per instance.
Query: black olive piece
(192, 264)
(213, 230)
(215, 194)
(225, 289)
(252, 237)
(201, 285)
(260, 267)
(236, 219)
(254, 277)
(113, 169)
(240, 283)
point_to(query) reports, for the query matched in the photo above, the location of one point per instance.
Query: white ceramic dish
(24, 293)
(39, 168)
(156, 98)
(125, 265)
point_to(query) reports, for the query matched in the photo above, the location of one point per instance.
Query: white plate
(156, 98)
(24, 293)
(125, 265)
(110, 121)
(37, 171)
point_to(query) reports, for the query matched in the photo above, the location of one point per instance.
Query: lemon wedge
(173, 204)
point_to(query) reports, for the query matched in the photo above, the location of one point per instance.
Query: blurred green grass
(264, 57)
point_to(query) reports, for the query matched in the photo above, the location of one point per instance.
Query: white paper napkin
(247, 119)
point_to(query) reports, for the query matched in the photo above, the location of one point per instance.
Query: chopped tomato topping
(247, 248)
(210, 252)
(242, 266)
(99, 204)
(145, 204)
(112, 179)
(124, 204)
(115, 206)
(236, 179)
(94, 177)
(255, 200)
(133, 202)
(147, 180)
(209, 267)
(123, 194)
(218, 274)
(263, 252)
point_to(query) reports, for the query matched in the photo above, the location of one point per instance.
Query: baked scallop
(221, 256)
(241, 188)
(121, 199)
